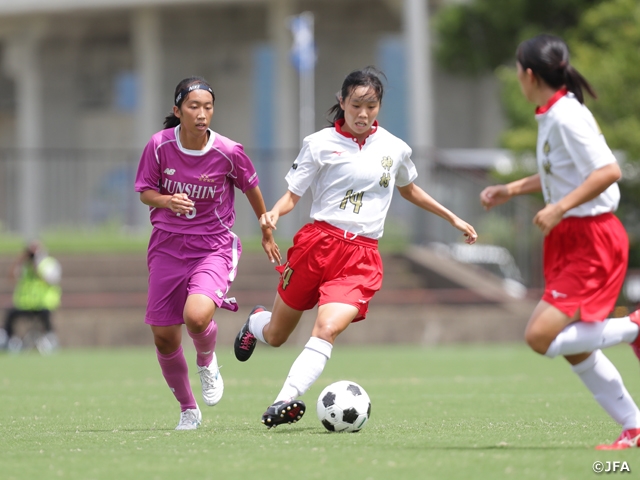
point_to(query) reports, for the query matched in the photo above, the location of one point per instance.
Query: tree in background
(478, 36)
(604, 41)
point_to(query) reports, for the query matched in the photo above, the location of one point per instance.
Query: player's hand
(180, 204)
(271, 247)
(548, 217)
(466, 229)
(268, 220)
(493, 196)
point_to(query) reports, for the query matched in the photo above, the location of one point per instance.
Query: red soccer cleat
(635, 345)
(627, 439)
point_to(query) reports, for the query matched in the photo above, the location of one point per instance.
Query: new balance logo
(219, 293)
(557, 294)
(169, 171)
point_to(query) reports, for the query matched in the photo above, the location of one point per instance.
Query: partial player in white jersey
(187, 176)
(351, 169)
(585, 245)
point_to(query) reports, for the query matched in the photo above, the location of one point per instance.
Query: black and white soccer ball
(344, 406)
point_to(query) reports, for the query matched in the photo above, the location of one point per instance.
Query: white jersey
(570, 147)
(351, 185)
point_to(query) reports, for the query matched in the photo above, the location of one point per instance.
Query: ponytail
(575, 82)
(548, 58)
(336, 111)
(171, 121)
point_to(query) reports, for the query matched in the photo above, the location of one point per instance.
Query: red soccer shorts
(325, 266)
(585, 263)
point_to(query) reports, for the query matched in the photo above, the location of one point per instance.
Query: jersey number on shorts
(286, 276)
(353, 198)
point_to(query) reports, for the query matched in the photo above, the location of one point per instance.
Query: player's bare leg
(273, 328)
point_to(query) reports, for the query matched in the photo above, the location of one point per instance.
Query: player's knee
(165, 345)
(196, 323)
(276, 339)
(327, 332)
(537, 341)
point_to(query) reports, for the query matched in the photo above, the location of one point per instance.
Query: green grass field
(480, 412)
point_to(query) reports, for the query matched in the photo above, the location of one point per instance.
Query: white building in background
(83, 79)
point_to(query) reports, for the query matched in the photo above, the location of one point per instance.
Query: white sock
(306, 369)
(257, 322)
(583, 337)
(603, 380)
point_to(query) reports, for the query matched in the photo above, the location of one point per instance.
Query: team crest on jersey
(387, 163)
(385, 179)
(294, 166)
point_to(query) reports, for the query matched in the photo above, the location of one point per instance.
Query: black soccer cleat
(246, 341)
(283, 412)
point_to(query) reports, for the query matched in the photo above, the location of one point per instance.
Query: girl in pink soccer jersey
(187, 176)
(351, 168)
(585, 245)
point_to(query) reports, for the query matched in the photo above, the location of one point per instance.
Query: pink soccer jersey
(207, 176)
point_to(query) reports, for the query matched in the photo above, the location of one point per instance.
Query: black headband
(196, 86)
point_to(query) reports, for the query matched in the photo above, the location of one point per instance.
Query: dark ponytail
(181, 93)
(367, 77)
(548, 58)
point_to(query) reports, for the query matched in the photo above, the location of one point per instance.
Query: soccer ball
(344, 406)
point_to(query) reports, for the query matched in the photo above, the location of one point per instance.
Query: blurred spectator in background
(36, 295)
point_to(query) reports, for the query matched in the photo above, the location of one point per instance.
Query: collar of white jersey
(552, 101)
(340, 122)
(207, 147)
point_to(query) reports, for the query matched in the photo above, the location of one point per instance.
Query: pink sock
(176, 373)
(205, 343)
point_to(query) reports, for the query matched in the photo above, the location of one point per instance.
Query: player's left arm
(254, 195)
(596, 183)
(422, 199)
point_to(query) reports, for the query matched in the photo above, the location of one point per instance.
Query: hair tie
(563, 63)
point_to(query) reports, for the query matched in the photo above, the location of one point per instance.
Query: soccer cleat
(246, 341)
(635, 345)
(627, 439)
(283, 412)
(212, 384)
(190, 419)
(47, 343)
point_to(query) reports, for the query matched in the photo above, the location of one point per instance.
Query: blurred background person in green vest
(36, 295)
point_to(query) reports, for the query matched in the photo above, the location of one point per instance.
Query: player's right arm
(177, 203)
(499, 194)
(282, 207)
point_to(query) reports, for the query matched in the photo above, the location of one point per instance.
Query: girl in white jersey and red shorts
(585, 245)
(351, 168)
(187, 175)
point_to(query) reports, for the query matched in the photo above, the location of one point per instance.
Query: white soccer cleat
(212, 384)
(47, 343)
(190, 419)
